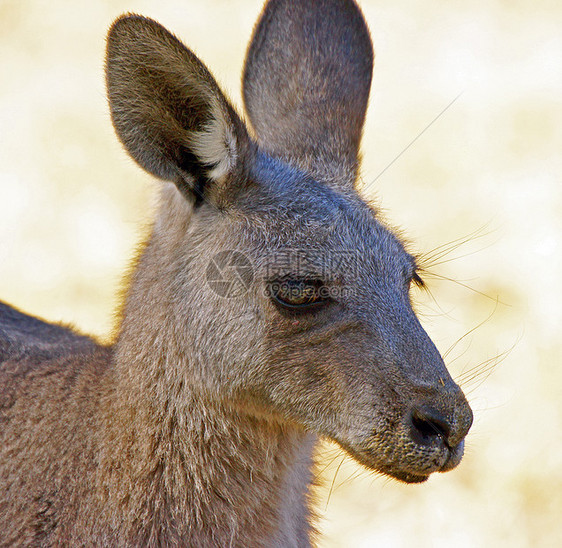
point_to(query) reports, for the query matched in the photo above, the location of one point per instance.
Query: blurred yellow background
(73, 207)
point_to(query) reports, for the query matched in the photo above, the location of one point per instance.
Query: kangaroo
(269, 307)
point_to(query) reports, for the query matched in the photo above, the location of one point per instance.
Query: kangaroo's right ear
(169, 112)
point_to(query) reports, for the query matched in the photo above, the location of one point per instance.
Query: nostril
(428, 425)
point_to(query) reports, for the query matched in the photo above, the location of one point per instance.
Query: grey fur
(196, 427)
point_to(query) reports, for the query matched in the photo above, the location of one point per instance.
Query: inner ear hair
(167, 109)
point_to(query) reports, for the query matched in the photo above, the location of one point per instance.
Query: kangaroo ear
(168, 111)
(306, 84)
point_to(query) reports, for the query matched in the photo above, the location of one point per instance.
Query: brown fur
(197, 426)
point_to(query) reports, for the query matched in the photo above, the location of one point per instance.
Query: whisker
(475, 328)
(428, 258)
(482, 371)
(427, 290)
(333, 481)
(413, 141)
(466, 286)
(336, 453)
(360, 471)
(441, 262)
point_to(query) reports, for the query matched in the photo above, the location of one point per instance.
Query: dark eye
(416, 279)
(298, 294)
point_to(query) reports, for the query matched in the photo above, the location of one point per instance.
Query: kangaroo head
(268, 283)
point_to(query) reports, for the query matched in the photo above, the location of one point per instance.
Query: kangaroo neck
(201, 471)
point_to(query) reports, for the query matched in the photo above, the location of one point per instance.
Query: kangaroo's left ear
(306, 84)
(169, 112)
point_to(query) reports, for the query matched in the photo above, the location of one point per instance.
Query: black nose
(428, 426)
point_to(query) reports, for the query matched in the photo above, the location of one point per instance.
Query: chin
(408, 477)
(395, 471)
